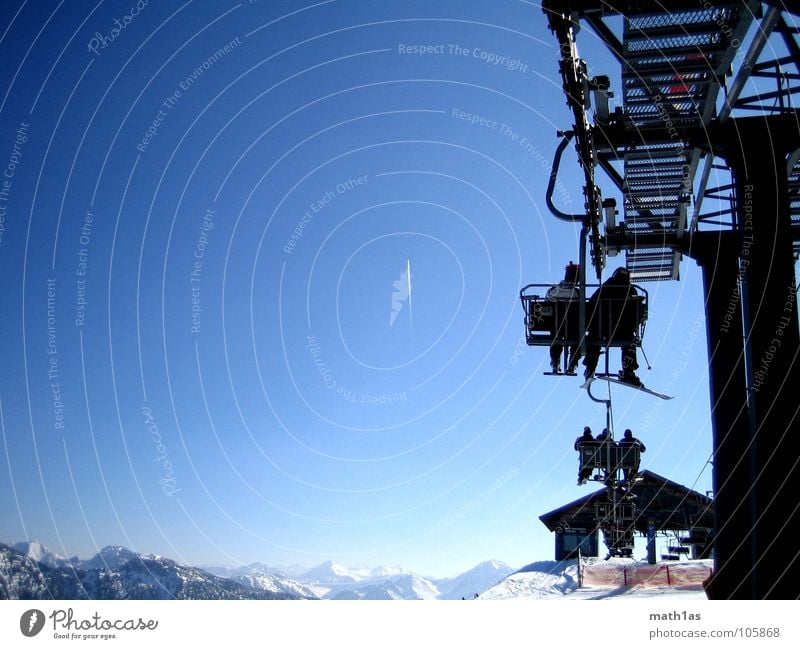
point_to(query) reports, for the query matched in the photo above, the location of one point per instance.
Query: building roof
(669, 505)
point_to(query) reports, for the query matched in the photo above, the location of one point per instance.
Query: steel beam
(754, 366)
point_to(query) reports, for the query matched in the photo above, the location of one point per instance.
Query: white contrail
(410, 312)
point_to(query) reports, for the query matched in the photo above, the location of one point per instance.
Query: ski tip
(614, 378)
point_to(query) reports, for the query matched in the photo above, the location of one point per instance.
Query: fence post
(669, 583)
(625, 576)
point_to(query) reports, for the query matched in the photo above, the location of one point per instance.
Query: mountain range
(331, 580)
(29, 570)
(114, 573)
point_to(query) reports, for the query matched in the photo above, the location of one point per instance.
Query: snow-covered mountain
(332, 580)
(38, 552)
(116, 571)
(256, 568)
(276, 584)
(331, 573)
(141, 577)
(292, 571)
(111, 557)
(264, 577)
(398, 586)
(474, 581)
(387, 571)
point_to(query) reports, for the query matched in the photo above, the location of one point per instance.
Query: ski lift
(616, 520)
(609, 457)
(610, 511)
(619, 541)
(552, 317)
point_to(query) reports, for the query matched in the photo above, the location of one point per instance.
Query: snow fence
(609, 574)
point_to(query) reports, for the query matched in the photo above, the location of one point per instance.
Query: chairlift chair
(610, 322)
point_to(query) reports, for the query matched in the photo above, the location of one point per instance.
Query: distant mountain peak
(330, 571)
(386, 571)
(111, 556)
(39, 552)
(474, 581)
(114, 548)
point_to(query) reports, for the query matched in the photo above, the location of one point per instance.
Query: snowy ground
(559, 580)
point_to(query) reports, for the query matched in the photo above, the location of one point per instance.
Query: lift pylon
(676, 58)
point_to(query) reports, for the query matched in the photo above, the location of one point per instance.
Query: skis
(613, 378)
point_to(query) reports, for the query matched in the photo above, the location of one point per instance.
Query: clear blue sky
(297, 417)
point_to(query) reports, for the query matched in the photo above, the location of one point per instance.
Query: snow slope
(477, 580)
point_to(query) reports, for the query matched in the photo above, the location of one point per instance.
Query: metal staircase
(673, 66)
(683, 66)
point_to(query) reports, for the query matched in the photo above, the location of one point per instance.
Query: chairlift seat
(620, 541)
(604, 456)
(610, 322)
(628, 456)
(678, 549)
(625, 511)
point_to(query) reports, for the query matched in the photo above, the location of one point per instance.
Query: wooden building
(660, 506)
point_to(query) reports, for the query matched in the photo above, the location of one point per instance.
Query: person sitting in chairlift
(617, 289)
(604, 436)
(567, 291)
(584, 472)
(629, 441)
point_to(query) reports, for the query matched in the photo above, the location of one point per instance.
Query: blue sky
(174, 164)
